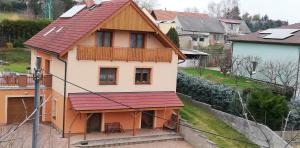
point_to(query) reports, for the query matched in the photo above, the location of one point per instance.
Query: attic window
(59, 29)
(49, 31)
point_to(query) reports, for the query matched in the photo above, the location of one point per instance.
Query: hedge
(20, 30)
(217, 95)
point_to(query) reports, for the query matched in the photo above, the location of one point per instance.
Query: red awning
(136, 100)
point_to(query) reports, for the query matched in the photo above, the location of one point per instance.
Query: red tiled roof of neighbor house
(136, 100)
(66, 32)
(164, 15)
(257, 37)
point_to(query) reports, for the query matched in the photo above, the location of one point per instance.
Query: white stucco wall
(274, 53)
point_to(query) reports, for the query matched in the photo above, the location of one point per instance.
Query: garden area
(263, 102)
(204, 120)
(14, 60)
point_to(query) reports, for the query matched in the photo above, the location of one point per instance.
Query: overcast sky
(276, 9)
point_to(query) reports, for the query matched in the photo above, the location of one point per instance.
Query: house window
(142, 75)
(201, 39)
(108, 76)
(137, 40)
(104, 39)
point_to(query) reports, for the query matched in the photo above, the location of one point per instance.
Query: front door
(147, 119)
(94, 123)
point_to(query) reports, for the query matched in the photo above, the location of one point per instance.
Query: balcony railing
(13, 81)
(124, 54)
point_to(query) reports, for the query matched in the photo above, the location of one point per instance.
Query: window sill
(107, 83)
(142, 83)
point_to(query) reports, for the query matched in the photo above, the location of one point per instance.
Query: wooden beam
(178, 121)
(85, 124)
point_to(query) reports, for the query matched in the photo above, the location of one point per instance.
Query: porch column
(85, 124)
(133, 128)
(178, 121)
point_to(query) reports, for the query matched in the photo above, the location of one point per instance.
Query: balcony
(124, 54)
(23, 81)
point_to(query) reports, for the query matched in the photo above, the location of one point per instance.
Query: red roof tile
(73, 28)
(136, 100)
(163, 15)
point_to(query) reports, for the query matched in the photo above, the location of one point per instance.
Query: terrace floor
(51, 138)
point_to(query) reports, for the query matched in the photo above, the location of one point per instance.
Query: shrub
(268, 108)
(219, 96)
(173, 35)
(21, 30)
(294, 118)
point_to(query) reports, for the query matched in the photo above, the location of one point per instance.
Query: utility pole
(35, 124)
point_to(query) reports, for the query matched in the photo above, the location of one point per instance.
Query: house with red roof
(107, 68)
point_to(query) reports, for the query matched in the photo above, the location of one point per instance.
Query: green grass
(18, 59)
(218, 77)
(11, 16)
(202, 119)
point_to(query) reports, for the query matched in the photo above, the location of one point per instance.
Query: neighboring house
(278, 46)
(112, 49)
(166, 19)
(234, 27)
(198, 31)
(194, 58)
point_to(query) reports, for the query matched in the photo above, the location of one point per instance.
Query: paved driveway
(50, 138)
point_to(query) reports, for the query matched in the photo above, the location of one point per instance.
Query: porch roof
(123, 100)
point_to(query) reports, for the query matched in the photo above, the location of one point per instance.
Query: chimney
(89, 3)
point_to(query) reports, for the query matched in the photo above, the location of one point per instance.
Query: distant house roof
(121, 101)
(231, 21)
(244, 29)
(193, 52)
(257, 37)
(63, 33)
(200, 24)
(164, 15)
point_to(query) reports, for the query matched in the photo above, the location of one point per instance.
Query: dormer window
(137, 40)
(104, 39)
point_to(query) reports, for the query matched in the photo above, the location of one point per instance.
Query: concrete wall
(165, 27)
(193, 137)
(253, 133)
(268, 53)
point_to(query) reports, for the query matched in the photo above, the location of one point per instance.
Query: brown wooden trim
(108, 83)
(128, 110)
(149, 76)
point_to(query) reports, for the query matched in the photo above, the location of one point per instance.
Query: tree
(222, 8)
(35, 5)
(249, 64)
(147, 4)
(269, 71)
(268, 108)
(173, 35)
(191, 10)
(233, 14)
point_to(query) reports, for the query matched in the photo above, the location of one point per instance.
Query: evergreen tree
(173, 35)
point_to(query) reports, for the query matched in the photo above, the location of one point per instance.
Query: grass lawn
(11, 16)
(202, 119)
(18, 59)
(218, 77)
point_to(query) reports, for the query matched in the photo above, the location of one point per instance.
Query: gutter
(181, 62)
(65, 95)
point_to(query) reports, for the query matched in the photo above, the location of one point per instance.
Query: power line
(233, 139)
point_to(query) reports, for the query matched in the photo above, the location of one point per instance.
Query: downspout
(297, 77)
(65, 94)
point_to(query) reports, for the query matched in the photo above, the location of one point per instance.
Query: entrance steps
(128, 140)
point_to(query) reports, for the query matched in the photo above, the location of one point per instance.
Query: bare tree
(249, 64)
(191, 9)
(147, 4)
(269, 71)
(223, 7)
(287, 74)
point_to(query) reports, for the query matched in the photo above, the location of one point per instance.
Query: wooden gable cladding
(128, 19)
